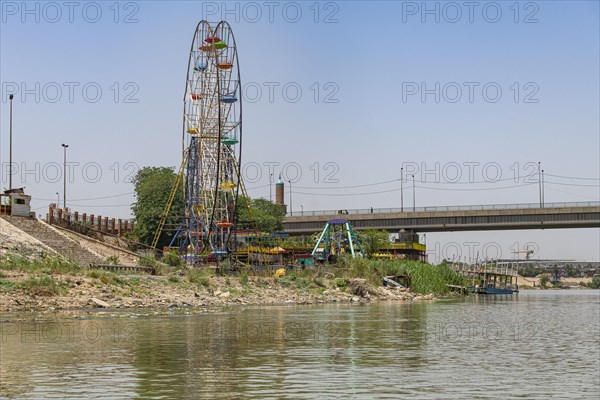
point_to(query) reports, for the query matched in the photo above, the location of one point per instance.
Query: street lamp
(291, 208)
(10, 97)
(57, 199)
(540, 181)
(65, 176)
(301, 209)
(271, 188)
(414, 203)
(543, 190)
(402, 189)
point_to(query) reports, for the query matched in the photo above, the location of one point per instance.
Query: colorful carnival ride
(211, 147)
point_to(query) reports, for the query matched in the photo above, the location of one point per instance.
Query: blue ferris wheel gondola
(200, 67)
(228, 99)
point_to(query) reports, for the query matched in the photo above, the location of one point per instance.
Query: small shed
(304, 260)
(17, 204)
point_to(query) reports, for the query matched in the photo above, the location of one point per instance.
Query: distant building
(15, 202)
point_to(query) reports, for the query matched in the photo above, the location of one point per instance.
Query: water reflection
(486, 346)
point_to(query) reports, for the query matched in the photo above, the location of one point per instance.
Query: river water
(535, 345)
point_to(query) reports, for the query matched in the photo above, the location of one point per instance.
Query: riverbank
(52, 285)
(118, 291)
(568, 283)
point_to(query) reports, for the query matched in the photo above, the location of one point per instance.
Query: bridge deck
(456, 218)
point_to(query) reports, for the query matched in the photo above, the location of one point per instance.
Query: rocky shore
(26, 292)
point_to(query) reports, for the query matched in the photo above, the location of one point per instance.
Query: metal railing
(484, 207)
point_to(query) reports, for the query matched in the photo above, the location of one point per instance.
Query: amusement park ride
(210, 170)
(211, 147)
(337, 236)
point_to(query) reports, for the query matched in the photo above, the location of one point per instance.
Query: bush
(174, 279)
(199, 276)
(244, 278)
(595, 283)
(172, 259)
(113, 260)
(148, 261)
(341, 283)
(544, 279)
(319, 282)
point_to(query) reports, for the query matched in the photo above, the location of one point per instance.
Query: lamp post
(540, 181)
(291, 207)
(65, 176)
(414, 202)
(57, 199)
(301, 209)
(543, 190)
(271, 188)
(402, 189)
(10, 97)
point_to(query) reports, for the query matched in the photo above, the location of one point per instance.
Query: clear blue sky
(362, 67)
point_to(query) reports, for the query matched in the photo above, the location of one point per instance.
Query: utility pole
(291, 207)
(414, 202)
(65, 176)
(402, 189)
(10, 170)
(543, 190)
(540, 181)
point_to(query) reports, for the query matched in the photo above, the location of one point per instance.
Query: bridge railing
(446, 208)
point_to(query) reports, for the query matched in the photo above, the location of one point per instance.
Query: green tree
(595, 283)
(373, 240)
(265, 215)
(544, 279)
(152, 188)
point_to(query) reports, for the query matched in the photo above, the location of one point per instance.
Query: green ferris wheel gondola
(229, 141)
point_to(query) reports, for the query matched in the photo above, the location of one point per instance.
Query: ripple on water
(538, 345)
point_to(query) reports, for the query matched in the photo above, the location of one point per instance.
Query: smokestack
(279, 195)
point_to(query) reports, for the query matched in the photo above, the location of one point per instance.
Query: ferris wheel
(212, 136)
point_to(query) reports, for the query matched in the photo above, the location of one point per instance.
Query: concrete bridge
(454, 218)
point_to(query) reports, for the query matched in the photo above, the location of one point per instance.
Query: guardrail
(484, 207)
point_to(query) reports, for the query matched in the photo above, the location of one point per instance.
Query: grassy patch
(200, 277)
(243, 277)
(110, 279)
(298, 279)
(5, 284)
(425, 278)
(40, 286)
(45, 263)
(341, 283)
